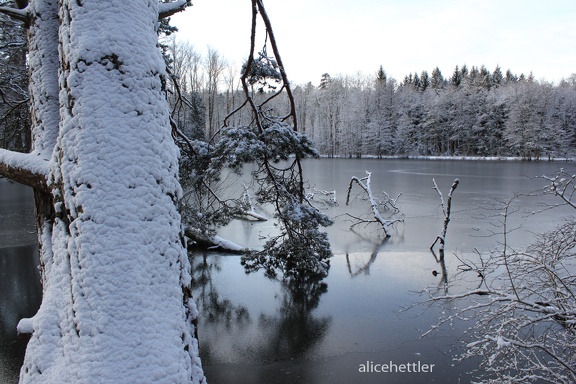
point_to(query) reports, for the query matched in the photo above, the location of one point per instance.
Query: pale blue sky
(345, 36)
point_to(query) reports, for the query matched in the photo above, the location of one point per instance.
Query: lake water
(257, 330)
(20, 289)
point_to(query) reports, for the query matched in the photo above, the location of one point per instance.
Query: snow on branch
(364, 184)
(523, 311)
(329, 196)
(18, 14)
(446, 208)
(562, 185)
(25, 168)
(251, 211)
(168, 9)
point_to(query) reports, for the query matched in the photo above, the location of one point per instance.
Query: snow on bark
(43, 63)
(19, 14)
(170, 8)
(116, 305)
(25, 168)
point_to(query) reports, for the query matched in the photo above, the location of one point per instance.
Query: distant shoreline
(475, 158)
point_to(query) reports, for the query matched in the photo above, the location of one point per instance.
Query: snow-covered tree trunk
(116, 302)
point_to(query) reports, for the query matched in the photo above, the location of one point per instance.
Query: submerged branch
(364, 184)
(446, 209)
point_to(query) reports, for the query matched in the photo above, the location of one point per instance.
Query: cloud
(344, 37)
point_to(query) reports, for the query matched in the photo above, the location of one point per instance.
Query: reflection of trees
(289, 332)
(214, 309)
(20, 295)
(295, 329)
(443, 273)
(365, 269)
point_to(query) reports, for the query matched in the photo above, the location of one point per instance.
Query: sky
(347, 37)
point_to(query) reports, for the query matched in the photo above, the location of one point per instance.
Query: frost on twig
(388, 203)
(446, 208)
(562, 185)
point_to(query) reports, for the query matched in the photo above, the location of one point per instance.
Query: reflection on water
(257, 330)
(231, 330)
(20, 295)
(319, 332)
(354, 316)
(20, 288)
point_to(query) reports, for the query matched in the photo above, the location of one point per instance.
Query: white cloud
(344, 37)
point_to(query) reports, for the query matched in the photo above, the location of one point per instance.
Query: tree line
(471, 112)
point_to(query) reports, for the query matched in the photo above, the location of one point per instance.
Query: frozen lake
(257, 330)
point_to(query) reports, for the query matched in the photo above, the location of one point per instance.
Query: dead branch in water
(446, 211)
(364, 183)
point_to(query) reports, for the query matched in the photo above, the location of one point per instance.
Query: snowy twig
(562, 185)
(332, 200)
(525, 317)
(252, 210)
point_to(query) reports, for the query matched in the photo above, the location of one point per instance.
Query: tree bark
(117, 303)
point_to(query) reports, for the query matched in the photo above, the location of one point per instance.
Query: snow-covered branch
(446, 208)
(330, 195)
(562, 185)
(18, 14)
(364, 184)
(524, 310)
(168, 9)
(25, 168)
(251, 211)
